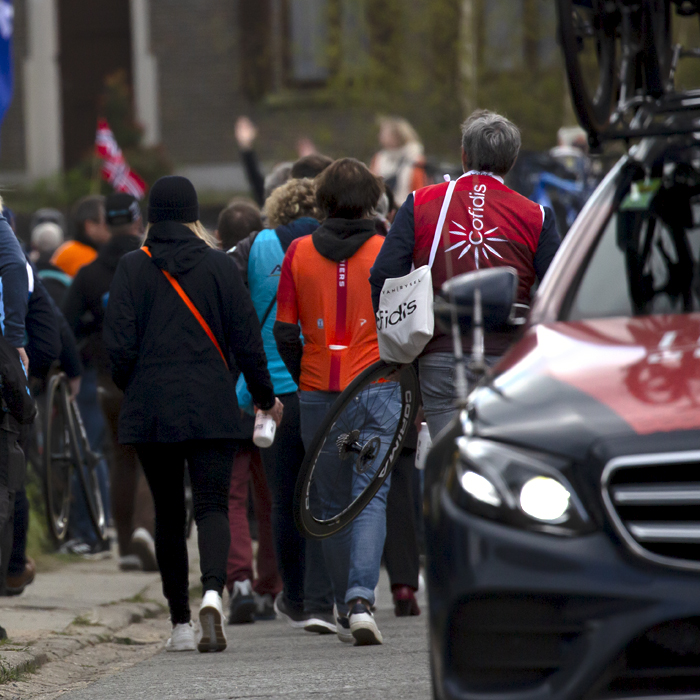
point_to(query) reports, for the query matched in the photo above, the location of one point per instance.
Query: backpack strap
(183, 295)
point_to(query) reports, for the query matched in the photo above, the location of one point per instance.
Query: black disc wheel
(588, 37)
(58, 462)
(355, 448)
(86, 462)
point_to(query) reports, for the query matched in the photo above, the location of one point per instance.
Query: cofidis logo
(386, 318)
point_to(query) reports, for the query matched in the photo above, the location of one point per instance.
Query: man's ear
(465, 163)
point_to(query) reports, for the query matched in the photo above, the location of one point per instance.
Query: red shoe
(405, 603)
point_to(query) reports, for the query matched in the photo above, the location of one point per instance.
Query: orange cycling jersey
(332, 302)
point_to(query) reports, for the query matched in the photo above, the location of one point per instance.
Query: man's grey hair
(279, 175)
(491, 142)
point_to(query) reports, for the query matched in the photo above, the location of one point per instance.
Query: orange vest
(333, 303)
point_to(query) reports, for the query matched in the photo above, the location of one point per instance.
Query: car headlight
(517, 487)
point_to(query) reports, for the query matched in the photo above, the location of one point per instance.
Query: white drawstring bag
(405, 320)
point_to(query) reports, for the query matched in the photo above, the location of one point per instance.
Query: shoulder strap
(441, 220)
(183, 295)
(273, 301)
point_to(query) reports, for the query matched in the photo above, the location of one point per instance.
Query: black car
(562, 508)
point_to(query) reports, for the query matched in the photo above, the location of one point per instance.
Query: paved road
(271, 660)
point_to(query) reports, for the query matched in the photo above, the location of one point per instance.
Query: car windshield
(646, 260)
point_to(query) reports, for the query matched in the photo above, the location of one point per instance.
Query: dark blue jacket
(14, 287)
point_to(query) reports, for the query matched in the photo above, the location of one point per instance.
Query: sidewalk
(77, 604)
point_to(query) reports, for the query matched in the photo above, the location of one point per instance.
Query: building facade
(316, 68)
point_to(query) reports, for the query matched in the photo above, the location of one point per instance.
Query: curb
(101, 625)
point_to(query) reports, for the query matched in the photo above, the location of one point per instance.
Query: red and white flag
(114, 168)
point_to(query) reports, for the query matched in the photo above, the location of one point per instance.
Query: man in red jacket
(487, 225)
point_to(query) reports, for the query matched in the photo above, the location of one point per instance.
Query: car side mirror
(497, 287)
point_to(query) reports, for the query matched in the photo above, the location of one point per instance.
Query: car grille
(653, 502)
(663, 662)
(505, 642)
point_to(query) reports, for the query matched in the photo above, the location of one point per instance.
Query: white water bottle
(423, 446)
(265, 428)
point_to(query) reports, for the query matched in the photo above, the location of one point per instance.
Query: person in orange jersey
(324, 292)
(91, 233)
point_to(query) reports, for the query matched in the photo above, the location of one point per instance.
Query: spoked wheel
(57, 458)
(618, 56)
(355, 448)
(588, 36)
(86, 462)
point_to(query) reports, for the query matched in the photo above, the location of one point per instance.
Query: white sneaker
(211, 621)
(181, 638)
(143, 546)
(362, 625)
(130, 562)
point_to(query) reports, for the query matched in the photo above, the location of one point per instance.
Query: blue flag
(7, 15)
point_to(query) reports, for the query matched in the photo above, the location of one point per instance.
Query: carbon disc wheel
(355, 448)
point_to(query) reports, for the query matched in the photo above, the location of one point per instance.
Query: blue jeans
(93, 420)
(437, 384)
(353, 556)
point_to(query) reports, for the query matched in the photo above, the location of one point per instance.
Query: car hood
(565, 385)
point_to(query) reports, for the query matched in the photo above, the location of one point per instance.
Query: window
(646, 260)
(308, 35)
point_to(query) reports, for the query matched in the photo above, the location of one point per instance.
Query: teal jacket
(259, 258)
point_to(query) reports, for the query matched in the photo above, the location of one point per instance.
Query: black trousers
(401, 547)
(209, 463)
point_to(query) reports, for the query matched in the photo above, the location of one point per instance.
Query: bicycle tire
(86, 461)
(593, 110)
(310, 475)
(57, 459)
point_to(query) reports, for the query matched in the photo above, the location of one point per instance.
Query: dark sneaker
(99, 550)
(362, 625)
(17, 584)
(342, 627)
(405, 603)
(320, 623)
(264, 607)
(295, 618)
(241, 604)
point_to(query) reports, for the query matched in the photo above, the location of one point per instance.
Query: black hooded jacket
(86, 300)
(176, 384)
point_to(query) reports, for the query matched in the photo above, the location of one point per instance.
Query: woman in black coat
(178, 317)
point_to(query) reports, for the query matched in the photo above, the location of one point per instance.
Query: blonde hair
(197, 227)
(402, 131)
(293, 200)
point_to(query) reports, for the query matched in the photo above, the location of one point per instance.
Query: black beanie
(173, 198)
(121, 208)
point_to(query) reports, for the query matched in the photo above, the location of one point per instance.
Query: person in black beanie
(179, 325)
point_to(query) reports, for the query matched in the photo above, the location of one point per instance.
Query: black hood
(174, 247)
(116, 248)
(286, 233)
(340, 239)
